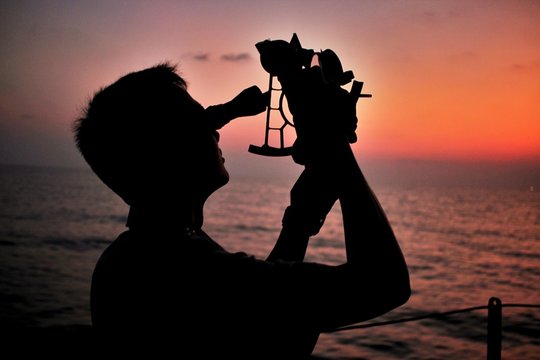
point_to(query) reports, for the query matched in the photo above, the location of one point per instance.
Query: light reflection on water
(462, 245)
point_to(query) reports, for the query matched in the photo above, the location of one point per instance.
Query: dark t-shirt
(185, 293)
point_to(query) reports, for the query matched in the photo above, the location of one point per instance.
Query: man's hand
(249, 102)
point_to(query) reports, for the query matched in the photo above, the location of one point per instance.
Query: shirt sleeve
(321, 296)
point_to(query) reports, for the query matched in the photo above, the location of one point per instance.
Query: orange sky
(456, 80)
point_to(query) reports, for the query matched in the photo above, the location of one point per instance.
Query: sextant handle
(266, 150)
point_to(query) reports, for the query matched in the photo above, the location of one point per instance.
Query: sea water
(462, 245)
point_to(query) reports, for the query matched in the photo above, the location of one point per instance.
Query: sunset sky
(454, 80)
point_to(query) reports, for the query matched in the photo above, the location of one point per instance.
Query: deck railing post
(494, 329)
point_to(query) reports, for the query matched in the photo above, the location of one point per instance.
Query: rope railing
(494, 322)
(414, 318)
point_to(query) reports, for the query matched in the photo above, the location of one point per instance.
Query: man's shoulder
(121, 241)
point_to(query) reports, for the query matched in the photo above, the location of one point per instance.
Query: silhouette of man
(164, 285)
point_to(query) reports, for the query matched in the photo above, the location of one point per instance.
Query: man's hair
(126, 125)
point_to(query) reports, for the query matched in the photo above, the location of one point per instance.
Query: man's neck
(161, 216)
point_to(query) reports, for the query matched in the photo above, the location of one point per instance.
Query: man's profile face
(213, 172)
(206, 165)
(185, 154)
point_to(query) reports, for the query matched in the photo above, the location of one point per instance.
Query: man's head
(144, 137)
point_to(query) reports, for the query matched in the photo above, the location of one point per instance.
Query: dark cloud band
(236, 57)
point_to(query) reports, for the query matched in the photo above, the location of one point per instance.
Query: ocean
(463, 245)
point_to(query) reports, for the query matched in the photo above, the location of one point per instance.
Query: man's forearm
(311, 200)
(369, 239)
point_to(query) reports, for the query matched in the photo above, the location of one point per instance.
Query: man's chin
(220, 182)
(224, 180)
